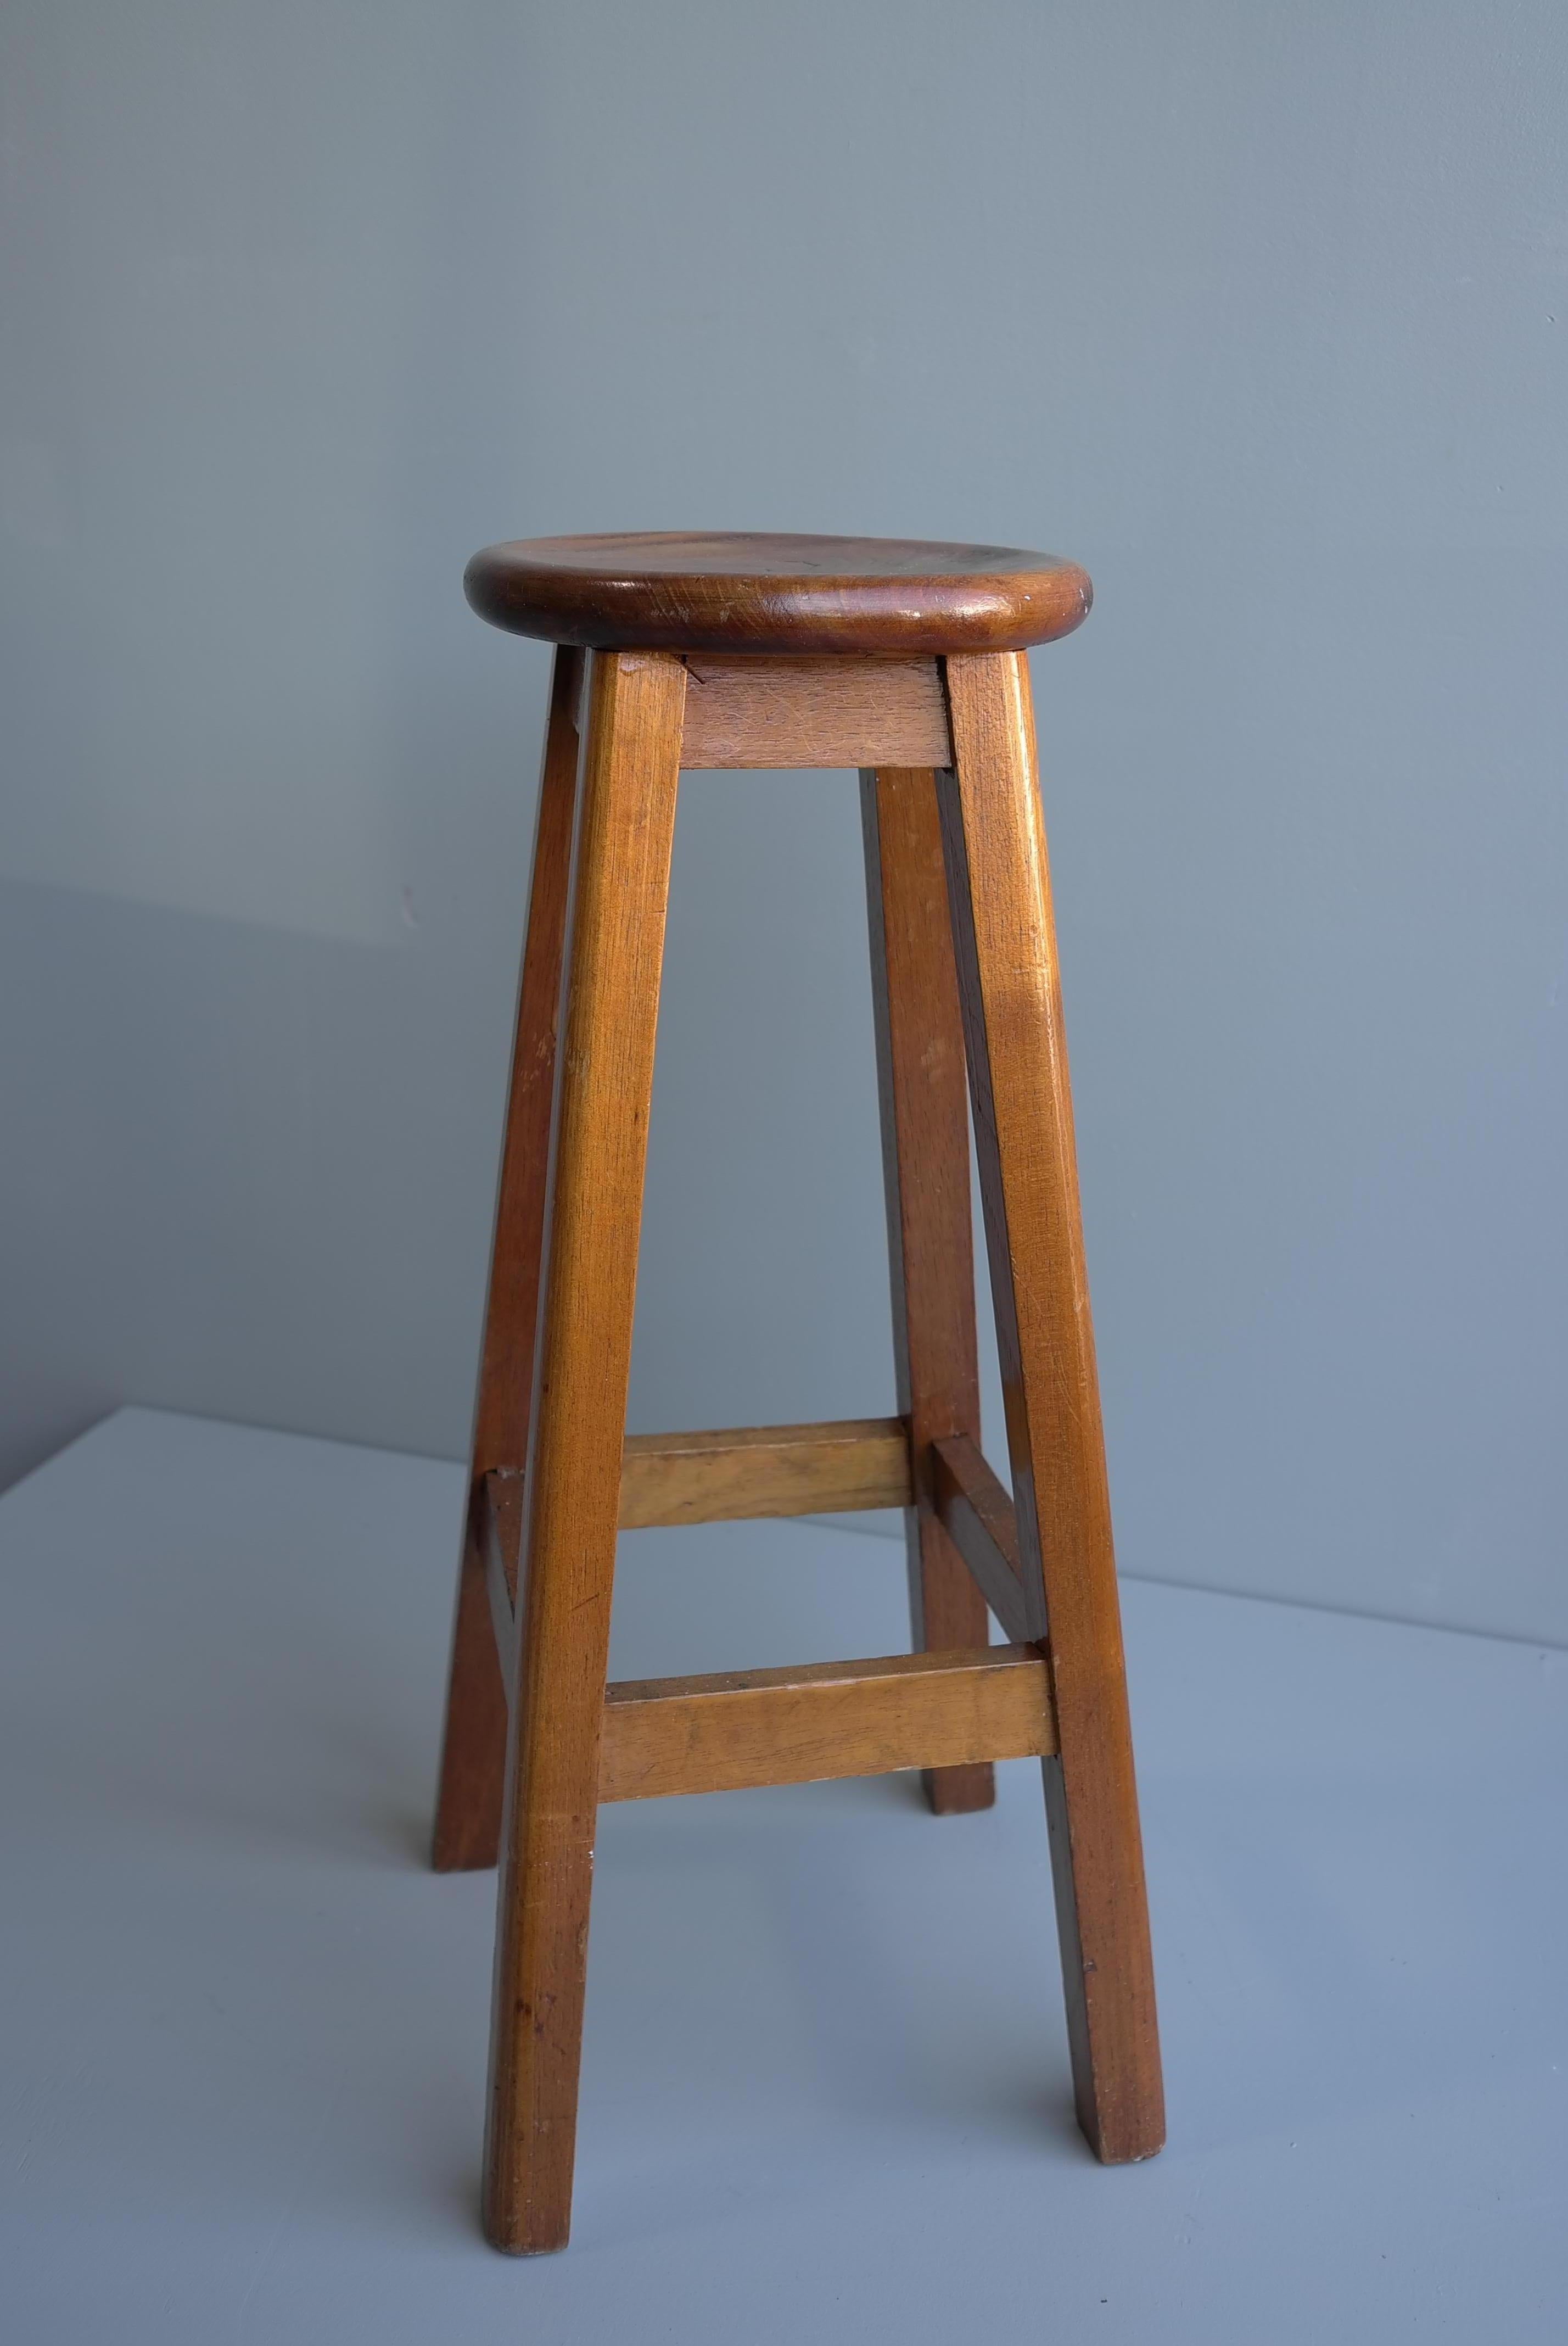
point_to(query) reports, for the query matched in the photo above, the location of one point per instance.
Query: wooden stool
(906, 661)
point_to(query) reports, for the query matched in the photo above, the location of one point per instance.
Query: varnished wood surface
(975, 1510)
(980, 986)
(473, 1754)
(753, 592)
(719, 1476)
(778, 1470)
(999, 882)
(741, 1728)
(799, 1470)
(923, 1093)
(750, 712)
(599, 1134)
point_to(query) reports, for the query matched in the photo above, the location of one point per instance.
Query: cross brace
(732, 1728)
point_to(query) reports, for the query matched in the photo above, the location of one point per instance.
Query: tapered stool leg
(999, 884)
(605, 1080)
(923, 1093)
(473, 1751)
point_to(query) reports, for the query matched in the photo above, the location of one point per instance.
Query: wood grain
(605, 1080)
(751, 592)
(999, 882)
(742, 1727)
(921, 1089)
(750, 712)
(977, 1514)
(778, 1470)
(473, 1751)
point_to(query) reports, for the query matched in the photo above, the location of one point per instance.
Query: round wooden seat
(746, 592)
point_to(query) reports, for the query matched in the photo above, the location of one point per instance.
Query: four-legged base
(968, 1008)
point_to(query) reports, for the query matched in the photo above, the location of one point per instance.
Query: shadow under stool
(906, 660)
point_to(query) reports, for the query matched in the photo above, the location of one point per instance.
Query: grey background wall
(1261, 313)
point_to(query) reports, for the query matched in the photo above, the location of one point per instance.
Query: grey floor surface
(826, 2092)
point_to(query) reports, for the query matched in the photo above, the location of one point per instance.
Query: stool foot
(959, 1791)
(467, 1830)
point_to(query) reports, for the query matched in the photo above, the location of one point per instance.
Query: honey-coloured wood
(747, 591)
(747, 711)
(741, 1728)
(769, 1470)
(704, 1478)
(473, 1751)
(903, 658)
(999, 886)
(922, 1091)
(624, 831)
